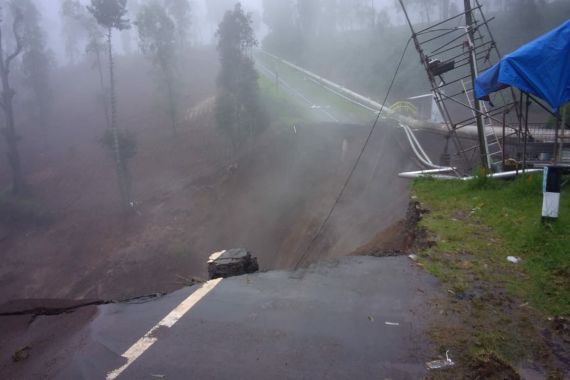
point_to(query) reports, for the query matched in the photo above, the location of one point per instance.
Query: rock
(230, 263)
(21, 354)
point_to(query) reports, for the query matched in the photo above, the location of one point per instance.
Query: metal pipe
(425, 173)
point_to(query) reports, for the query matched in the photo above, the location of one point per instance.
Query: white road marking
(144, 343)
(214, 256)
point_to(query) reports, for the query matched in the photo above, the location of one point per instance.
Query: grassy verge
(282, 110)
(497, 307)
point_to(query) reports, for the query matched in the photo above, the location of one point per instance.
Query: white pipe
(423, 160)
(329, 83)
(375, 111)
(431, 171)
(503, 175)
(369, 103)
(413, 136)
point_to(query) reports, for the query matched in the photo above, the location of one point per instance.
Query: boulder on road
(230, 263)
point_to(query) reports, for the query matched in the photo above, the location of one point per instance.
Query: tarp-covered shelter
(540, 68)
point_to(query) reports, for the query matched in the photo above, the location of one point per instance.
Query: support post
(557, 145)
(551, 193)
(503, 141)
(525, 132)
(473, 65)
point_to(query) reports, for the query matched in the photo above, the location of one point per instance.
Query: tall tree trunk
(99, 65)
(10, 136)
(120, 166)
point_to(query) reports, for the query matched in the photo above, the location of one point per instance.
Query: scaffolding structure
(453, 52)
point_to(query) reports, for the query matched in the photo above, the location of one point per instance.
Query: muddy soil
(191, 199)
(401, 238)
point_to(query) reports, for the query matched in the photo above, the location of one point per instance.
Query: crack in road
(51, 311)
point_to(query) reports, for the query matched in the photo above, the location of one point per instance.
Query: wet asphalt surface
(357, 318)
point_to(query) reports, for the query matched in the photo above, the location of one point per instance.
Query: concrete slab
(357, 318)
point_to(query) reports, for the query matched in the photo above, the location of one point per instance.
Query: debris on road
(392, 324)
(230, 263)
(441, 364)
(413, 257)
(514, 260)
(21, 354)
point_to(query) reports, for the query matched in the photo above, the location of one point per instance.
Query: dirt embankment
(401, 238)
(192, 202)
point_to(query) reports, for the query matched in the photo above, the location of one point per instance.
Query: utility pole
(485, 162)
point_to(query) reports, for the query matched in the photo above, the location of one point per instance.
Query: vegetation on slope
(509, 310)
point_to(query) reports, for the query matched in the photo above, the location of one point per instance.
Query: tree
(309, 11)
(278, 15)
(423, 7)
(110, 14)
(157, 40)
(79, 23)
(9, 131)
(72, 29)
(238, 112)
(180, 11)
(285, 37)
(36, 60)
(356, 14)
(96, 48)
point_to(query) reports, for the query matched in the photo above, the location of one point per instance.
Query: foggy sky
(202, 27)
(52, 24)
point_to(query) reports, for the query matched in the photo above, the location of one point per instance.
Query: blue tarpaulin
(540, 68)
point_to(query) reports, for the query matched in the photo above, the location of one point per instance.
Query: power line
(356, 163)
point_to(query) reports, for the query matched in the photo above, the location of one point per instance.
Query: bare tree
(72, 29)
(37, 61)
(8, 93)
(181, 13)
(110, 14)
(79, 25)
(157, 40)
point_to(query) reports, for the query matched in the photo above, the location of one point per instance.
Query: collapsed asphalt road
(357, 318)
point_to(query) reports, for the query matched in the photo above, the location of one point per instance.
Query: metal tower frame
(453, 52)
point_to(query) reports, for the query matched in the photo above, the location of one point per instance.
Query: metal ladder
(494, 147)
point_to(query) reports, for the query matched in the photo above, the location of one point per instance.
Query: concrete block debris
(230, 263)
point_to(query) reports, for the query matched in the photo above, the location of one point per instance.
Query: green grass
(497, 307)
(282, 110)
(490, 220)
